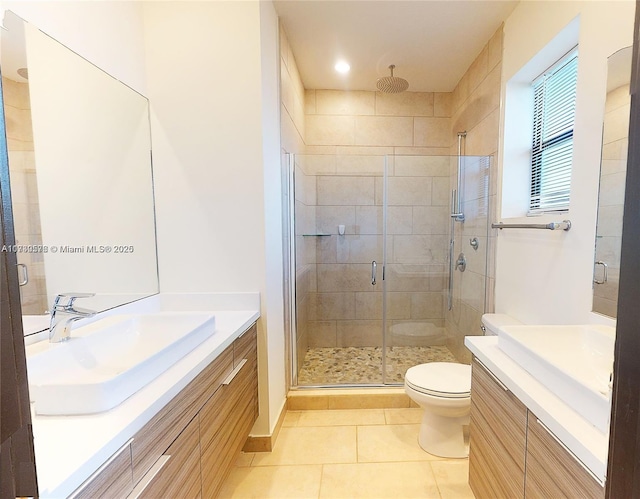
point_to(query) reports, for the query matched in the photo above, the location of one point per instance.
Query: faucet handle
(71, 297)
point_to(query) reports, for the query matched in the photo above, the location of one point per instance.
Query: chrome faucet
(63, 313)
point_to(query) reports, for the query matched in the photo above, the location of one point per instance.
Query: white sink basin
(106, 362)
(573, 362)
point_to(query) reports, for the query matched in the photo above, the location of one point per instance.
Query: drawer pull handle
(495, 378)
(148, 477)
(576, 458)
(234, 373)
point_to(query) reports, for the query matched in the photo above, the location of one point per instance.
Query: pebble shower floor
(332, 366)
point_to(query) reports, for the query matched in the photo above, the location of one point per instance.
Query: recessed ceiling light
(342, 67)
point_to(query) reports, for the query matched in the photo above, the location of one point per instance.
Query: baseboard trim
(265, 443)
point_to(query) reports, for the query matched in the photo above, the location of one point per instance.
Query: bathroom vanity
(525, 441)
(178, 436)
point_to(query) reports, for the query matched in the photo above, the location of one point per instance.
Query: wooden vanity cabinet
(497, 432)
(513, 455)
(552, 470)
(188, 448)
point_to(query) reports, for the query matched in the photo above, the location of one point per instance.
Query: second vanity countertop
(69, 449)
(583, 439)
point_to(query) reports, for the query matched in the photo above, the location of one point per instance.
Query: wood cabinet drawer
(112, 480)
(497, 438)
(552, 470)
(245, 346)
(157, 435)
(225, 422)
(179, 478)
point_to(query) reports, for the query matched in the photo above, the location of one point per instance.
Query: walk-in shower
(370, 274)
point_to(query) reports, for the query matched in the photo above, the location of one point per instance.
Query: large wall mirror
(613, 170)
(79, 150)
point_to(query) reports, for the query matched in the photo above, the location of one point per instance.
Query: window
(552, 152)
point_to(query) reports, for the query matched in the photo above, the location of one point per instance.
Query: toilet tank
(491, 323)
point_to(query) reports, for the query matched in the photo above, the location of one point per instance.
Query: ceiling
(432, 43)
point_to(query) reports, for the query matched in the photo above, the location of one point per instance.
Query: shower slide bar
(564, 225)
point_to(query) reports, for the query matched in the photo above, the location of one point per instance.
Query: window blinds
(552, 152)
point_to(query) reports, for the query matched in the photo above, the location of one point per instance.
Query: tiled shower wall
(24, 193)
(611, 198)
(476, 110)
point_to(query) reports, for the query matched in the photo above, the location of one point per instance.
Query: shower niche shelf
(315, 235)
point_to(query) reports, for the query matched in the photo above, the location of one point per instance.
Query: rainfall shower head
(392, 84)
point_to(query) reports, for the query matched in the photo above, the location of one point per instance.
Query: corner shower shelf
(315, 235)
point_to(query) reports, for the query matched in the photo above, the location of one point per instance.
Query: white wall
(210, 98)
(107, 33)
(544, 276)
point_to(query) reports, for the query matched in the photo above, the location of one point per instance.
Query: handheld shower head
(392, 84)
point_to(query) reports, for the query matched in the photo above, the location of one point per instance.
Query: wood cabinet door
(497, 445)
(552, 470)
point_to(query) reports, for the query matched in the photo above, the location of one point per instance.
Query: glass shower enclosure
(382, 276)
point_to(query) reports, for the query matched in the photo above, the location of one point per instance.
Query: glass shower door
(416, 259)
(338, 232)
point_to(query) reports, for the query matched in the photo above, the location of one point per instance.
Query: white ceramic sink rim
(572, 361)
(107, 361)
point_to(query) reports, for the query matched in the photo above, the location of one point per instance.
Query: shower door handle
(374, 271)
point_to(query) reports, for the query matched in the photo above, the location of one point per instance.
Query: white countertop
(582, 438)
(69, 449)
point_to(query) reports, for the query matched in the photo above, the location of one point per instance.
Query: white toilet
(443, 390)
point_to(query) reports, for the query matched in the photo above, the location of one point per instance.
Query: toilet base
(443, 436)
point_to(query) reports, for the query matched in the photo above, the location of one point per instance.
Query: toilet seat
(440, 379)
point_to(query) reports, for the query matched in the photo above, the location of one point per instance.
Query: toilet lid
(440, 379)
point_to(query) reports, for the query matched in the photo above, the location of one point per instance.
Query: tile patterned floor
(329, 366)
(343, 454)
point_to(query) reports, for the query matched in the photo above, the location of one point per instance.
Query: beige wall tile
(442, 104)
(322, 334)
(287, 92)
(432, 132)
(339, 102)
(404, 104)
(329, 217)
(441, 191)
(369, 306)
(360, 165)
(326, 306)
(618, 97)
(407, 277)
(16, 94)
(359, 248)
(359, 333)
(427, 305)
(430, 220)
(306, 446)
(369, 219)
(384, 131)
(346, 191)
(330, 130)
(495, 49)
(344, 278)
(612, 189)
(409, 191)
(419, 249)
(482, 140)
(379, 480)
(421, 166)
(423, 151)
(616, 124)
(317, 164)
(478, 69)
(310, 102)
